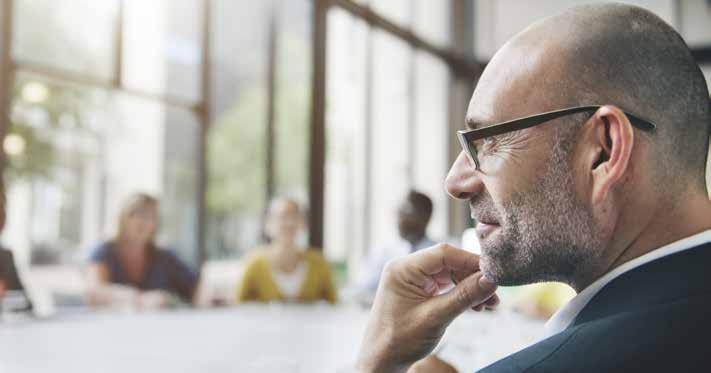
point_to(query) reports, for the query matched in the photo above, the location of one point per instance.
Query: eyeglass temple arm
(523, 123)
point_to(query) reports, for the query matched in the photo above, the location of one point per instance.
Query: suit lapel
(677, 276)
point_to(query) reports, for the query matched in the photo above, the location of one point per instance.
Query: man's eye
(488, 142)
(477, 145)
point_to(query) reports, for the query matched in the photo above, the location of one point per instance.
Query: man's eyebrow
(473, 123)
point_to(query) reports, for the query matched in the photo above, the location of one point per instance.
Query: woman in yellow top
(282, 271)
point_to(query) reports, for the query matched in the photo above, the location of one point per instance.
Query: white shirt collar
(290, 283)
(565, 316)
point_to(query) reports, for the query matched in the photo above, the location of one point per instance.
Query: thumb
(472, 291)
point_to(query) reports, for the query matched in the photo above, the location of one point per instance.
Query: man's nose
(463, 180)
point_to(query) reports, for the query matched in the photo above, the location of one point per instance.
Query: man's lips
(484, 229)
(484, 225)
(484, 220)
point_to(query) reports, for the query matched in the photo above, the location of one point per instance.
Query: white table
(250, 338)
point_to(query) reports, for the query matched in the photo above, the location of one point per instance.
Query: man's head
(413, 215)
(553, 199)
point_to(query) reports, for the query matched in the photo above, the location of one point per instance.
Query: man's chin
(498, 268)
(488, 268)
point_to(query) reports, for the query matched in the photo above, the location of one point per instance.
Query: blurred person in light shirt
(413, 217)
(283, 271)
(131, 270)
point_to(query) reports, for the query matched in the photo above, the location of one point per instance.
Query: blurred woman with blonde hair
(131, 270)
(282, 270)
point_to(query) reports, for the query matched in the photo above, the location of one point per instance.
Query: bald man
(583, 161)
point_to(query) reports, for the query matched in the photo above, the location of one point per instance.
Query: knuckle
(465, 295)
(391, 268)
(443, 248)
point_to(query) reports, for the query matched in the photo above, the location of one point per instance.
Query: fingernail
(486, 284)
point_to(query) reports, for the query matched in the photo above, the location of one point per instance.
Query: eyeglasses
(471, 139)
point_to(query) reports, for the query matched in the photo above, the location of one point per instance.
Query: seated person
(283, 271)
(9, 278)
(413, 216)
(132, 269)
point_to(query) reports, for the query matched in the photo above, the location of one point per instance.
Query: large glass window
(237, 190)
(236, 195)
(387, 125)
(87, 132)
(293, 95)
(398, 11)
(431, 20)
(108, 100)
(346, 130)
(178, 195)
(427, 19)
(76, 153)
(390, 168)
(76, 36)
(430, 162)
(54, 147)
(162, 47)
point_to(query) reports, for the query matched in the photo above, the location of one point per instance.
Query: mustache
(484, 210)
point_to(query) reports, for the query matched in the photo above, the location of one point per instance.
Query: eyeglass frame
(466, 137)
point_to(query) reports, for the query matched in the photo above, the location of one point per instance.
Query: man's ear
(613, 139)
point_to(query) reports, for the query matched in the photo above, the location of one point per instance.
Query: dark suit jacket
(654, 318)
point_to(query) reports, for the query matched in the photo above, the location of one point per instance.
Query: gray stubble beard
(546, 233)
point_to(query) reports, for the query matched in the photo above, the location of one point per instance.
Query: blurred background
(210, 105)
(218, 106)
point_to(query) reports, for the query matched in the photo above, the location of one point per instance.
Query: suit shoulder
(667, 337)
(524, 360)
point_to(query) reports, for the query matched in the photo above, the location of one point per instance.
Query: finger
(472, 291)
(493, 301)
(444, 257)
(458, 276)
(489, 304)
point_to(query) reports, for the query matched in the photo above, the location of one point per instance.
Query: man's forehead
(491, 98)
(517, 96)
(520, 80)
(496, 108)
(496, 99)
